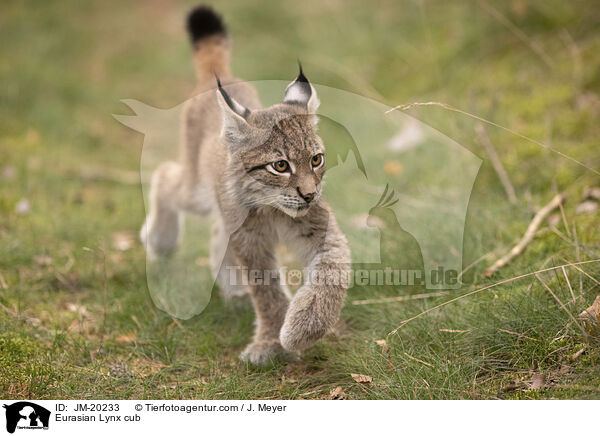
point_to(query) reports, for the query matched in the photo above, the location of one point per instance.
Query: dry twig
(520, 335)
(454, 331)
(485, 288)
(418, 360)
(527, 237)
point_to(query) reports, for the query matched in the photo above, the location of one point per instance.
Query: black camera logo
(26, 415)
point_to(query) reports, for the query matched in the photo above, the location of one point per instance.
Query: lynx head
(276, 157)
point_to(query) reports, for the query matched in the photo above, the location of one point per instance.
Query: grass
(76, 317)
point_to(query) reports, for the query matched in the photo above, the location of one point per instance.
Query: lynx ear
(235, 126)
(301, 92)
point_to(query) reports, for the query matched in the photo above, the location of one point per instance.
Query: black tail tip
(202, 22)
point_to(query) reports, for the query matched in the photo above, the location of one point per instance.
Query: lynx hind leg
(160, 232)
(224, 266)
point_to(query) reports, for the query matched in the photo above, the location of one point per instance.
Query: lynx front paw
(296, 335)
(310, 316)
(261, 353)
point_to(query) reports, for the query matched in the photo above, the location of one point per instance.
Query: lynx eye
(281, 166)
(317, 160)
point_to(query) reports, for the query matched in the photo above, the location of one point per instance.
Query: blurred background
(76, 320)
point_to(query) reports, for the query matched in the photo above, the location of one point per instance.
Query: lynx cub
(259, 172)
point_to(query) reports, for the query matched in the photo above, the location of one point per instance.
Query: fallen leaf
(393, 167)
(383, 344)
(361, 378)
(537, 382)
(337, 394)
(592, 313)
(127, 337)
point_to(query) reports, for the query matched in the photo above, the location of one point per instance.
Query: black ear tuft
(300, 92)
(301, 77)
(202, 22)
(231, 103)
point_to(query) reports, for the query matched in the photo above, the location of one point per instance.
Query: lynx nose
(307, 197)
